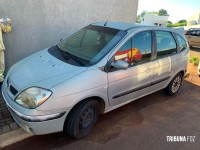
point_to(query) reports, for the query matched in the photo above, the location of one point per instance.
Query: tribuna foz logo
(180, 138)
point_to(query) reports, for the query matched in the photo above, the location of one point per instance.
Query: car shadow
(112, 124)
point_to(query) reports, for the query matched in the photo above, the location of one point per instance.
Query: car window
(137, 49)
(124, 52)
(166, 44)
(181, 42)
(142, 42)
(198, 33)
(188, 33)
(87, 46)
(92, 38)
(193, 32)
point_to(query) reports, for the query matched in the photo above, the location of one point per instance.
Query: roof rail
(137, 26)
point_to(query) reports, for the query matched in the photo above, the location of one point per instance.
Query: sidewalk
(7, 123)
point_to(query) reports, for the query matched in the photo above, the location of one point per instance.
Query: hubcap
(176, 84)
(86, 119)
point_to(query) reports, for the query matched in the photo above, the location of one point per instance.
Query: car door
(196, 38)
(166, 59)
(134, 82)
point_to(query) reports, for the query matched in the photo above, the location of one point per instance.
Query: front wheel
(174, 85)
(82, 119)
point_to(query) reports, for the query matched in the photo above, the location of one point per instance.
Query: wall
(194, 19)
(38, 24)
(191, 26)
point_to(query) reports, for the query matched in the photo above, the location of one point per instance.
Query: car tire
(174, 85)
(82, 119)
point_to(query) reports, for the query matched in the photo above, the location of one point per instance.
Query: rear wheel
(82, 119)
(174, 85)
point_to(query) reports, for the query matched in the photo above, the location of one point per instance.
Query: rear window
(182, 43)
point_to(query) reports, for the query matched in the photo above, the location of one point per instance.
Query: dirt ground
(192, 70)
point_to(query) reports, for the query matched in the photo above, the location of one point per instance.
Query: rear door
(166, 59)
(134, 82)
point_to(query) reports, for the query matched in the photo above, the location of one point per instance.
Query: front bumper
(37, 124)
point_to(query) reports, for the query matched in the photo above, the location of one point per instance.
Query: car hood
(43, 70)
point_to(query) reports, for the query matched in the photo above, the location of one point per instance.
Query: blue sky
(177, 9)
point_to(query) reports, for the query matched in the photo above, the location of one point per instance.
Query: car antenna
(105, 23)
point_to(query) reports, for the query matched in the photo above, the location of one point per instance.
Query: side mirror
(120, 64)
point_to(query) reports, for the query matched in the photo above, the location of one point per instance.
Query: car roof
(124, 26)
(119, 25)
(193, 29)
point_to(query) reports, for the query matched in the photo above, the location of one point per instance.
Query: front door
(134, 82)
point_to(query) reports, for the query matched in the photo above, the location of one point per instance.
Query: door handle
(148, 70)
(189, 37)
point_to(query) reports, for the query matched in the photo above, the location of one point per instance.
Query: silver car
(93, 71)
(193, 37)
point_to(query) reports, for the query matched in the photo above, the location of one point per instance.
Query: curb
(13, 137)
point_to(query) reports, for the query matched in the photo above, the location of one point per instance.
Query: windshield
(87, 46)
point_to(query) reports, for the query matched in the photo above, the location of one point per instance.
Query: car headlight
(33, 97)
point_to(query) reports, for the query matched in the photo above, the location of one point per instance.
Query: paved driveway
(141, 125)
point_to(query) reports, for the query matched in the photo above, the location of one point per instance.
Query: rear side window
(166, 44)
(181, 42)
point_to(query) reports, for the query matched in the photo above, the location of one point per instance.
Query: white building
(194, 19)
(154, 19)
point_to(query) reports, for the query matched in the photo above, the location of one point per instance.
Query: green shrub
(194, 60)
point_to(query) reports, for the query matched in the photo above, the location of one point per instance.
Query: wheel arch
(99, 99)
(182, 72)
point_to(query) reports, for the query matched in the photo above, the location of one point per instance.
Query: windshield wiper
(67, 56)
(70, 56)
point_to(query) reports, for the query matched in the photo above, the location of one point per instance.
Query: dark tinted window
(181, 42)
(193, 32)
(166, 44)
(188, 33)
(137, 49)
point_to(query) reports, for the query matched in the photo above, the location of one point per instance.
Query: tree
(169, 24)
(162, 12)
(140, 17)
(182, 21)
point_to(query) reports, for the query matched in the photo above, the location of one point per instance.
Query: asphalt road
(141, 125)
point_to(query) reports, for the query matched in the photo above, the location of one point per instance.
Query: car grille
(11, 88)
